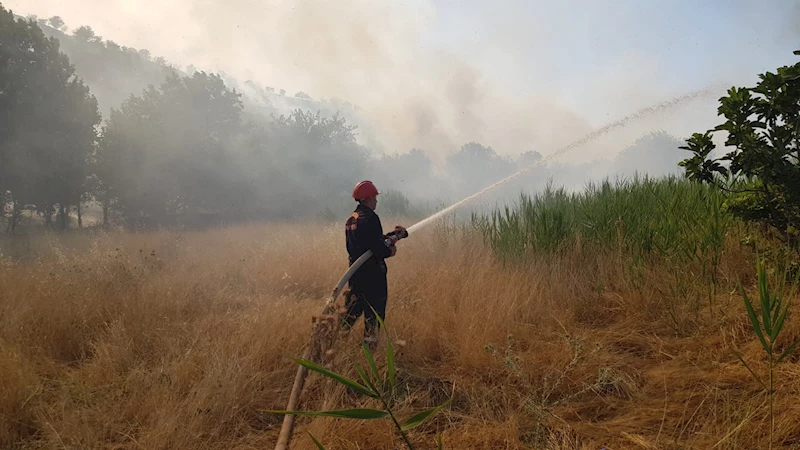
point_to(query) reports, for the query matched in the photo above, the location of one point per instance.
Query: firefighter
(368, 285)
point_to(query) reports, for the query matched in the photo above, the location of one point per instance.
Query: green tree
(528, 158)
(66, 181)
(320, 153)
(410, 172)
(47, 122)
(652, 153)
(84, 33)
(394, 203)
(475, 166)
(113, 46)
(763, 170)
(57, 22)
(167, 151)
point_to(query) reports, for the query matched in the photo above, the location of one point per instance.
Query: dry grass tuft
(165, 340)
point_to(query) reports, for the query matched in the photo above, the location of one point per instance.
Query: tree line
(187, 148)
(178, 149)
(183, 148)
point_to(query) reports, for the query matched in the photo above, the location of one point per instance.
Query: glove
(394, 251)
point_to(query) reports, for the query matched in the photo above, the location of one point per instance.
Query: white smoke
(433, 75)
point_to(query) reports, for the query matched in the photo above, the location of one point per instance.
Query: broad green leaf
(419, 419)
(371, 361)
(777, 300)
(754, 319)
(389, 352)
(793, 286)
(766, 304)
(356, 413)
(390, 364)
(335, 376)
(361, 372)
(381, 322)
(776, 312)
(316, 442)
(787, 352)
(747, 366)
(364, 376)
(776, 330)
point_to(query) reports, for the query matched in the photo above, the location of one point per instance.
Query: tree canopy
(47, 122)
(762, 167)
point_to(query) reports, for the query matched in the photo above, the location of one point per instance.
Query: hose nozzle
(391, 238)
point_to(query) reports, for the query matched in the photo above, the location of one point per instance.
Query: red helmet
(364, 189)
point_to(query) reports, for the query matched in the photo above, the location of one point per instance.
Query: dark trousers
(365, 292)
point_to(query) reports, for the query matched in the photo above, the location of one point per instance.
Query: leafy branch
(373, 385)
(767, 326)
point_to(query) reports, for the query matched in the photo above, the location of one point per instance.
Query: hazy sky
(517, 74)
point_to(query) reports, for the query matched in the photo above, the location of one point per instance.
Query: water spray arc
(288, 420)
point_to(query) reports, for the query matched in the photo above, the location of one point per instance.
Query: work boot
(371, 338)
(372, 343)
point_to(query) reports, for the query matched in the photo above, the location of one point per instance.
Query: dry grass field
(166, 340)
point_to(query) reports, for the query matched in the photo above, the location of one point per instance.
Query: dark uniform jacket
(363, 232)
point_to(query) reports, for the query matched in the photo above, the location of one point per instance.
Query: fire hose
(299, 378)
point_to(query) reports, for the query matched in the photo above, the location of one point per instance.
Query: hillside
(114, 71)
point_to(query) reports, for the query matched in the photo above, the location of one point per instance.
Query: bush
(668, 217)
(394, 203)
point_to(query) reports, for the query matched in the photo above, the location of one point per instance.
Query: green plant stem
(397, 424)
(771, 399)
